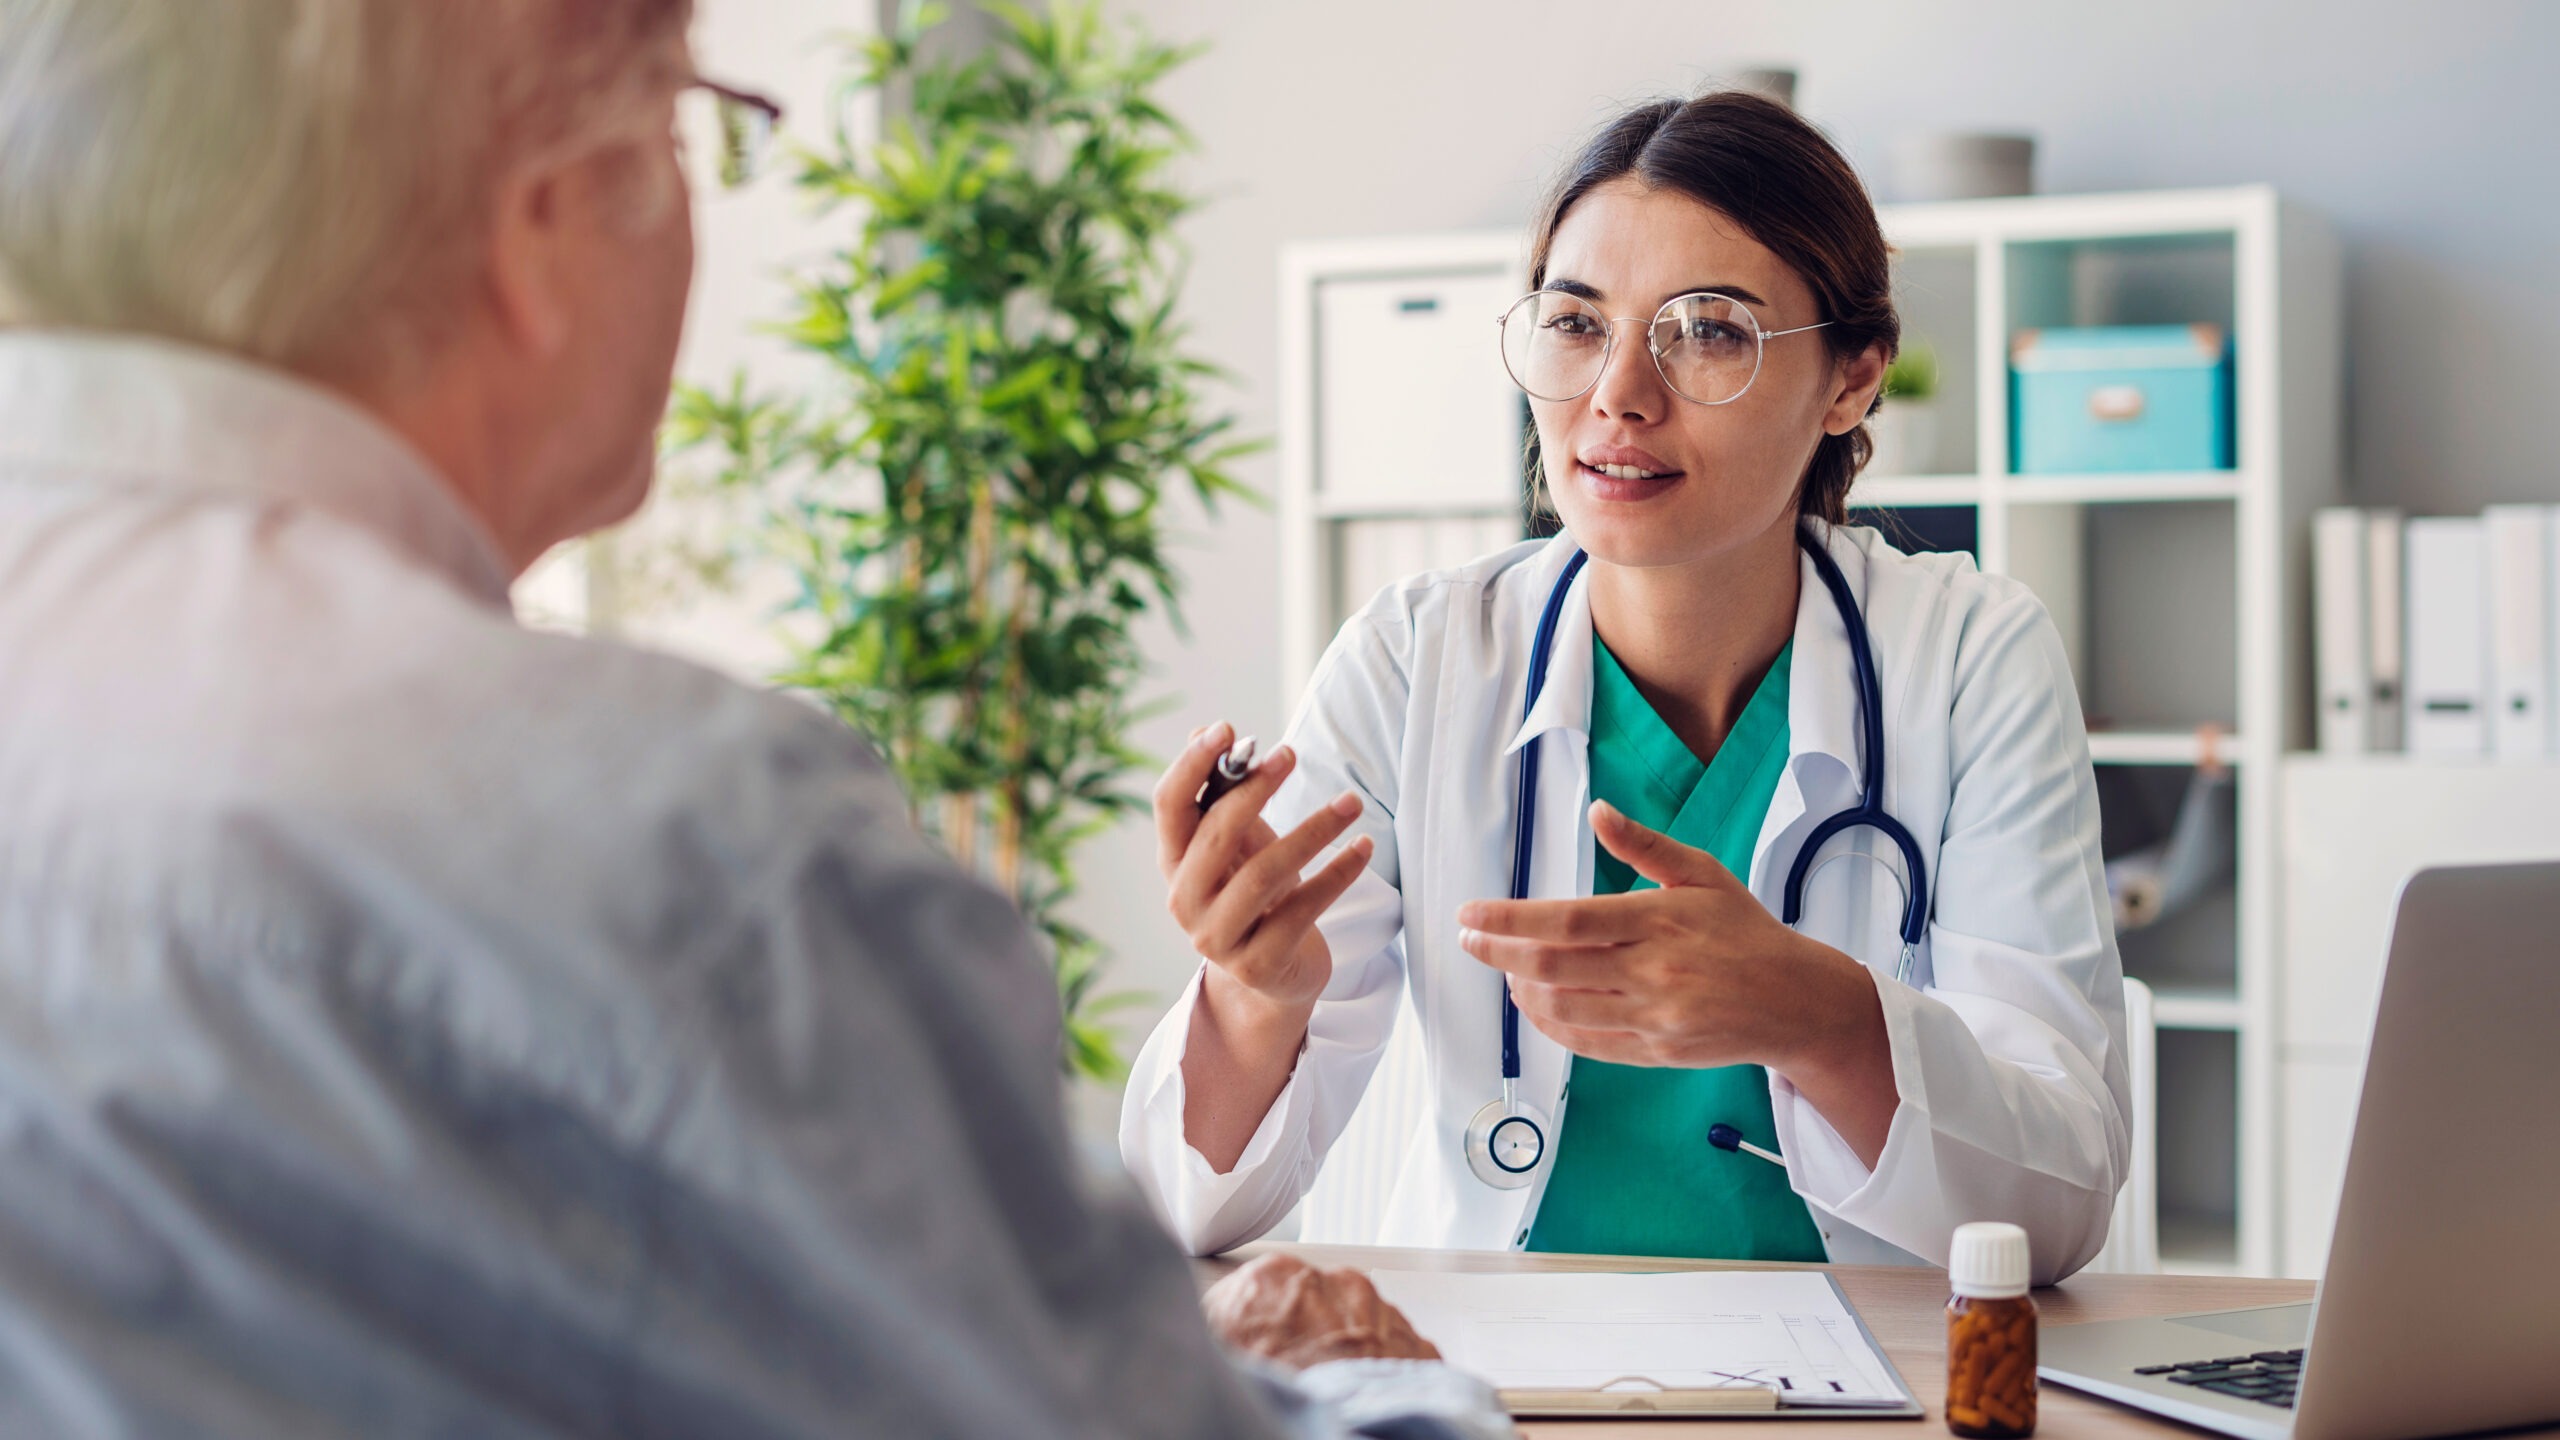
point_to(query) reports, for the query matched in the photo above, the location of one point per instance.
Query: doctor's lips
(1626, 462)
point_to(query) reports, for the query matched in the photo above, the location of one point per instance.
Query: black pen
(1228, 773)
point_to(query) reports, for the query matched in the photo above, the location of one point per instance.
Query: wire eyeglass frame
(1609, 343)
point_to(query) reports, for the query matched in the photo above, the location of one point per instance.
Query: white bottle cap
(1988, 1261)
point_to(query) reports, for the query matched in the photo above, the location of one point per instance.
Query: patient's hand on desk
(1280, 1308)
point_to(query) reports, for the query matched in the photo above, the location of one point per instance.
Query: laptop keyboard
(2267, 1376)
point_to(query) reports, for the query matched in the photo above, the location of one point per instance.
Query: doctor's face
(1704, 479)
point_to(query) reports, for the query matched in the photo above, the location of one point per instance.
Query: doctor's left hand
(1694, 974)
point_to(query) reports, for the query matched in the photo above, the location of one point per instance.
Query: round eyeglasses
(1707, 346)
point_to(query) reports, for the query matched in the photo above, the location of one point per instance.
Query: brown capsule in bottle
(1991, 1367)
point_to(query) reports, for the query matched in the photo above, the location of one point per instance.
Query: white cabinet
(1413, 410)
(2356, 827)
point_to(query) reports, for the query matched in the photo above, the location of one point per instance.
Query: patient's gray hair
(306, 182)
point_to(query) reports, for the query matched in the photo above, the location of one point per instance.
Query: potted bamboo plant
(974, 504)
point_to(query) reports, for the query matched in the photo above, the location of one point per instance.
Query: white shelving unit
(2183, 598)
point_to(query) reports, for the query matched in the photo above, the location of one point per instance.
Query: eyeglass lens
(1706, 346)
(736, 128)
(746, 133)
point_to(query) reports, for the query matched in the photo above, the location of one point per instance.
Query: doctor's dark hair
(1761, 165)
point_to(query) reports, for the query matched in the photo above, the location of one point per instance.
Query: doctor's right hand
(1234, 885)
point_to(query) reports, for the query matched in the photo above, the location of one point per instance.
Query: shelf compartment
(1935, 291)
(2190, 952)
(2169, 279)
(2144, 598)
(2148, 279)
(2198, 1149)
(1925, 529)
(1367, 553)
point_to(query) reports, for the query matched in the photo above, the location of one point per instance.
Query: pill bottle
(1991, 1335)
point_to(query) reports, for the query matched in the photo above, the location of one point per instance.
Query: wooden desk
(1906, 1308)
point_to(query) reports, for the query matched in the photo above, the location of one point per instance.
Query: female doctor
(1588, 782)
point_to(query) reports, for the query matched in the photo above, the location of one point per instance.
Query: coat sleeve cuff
(1827, 1172)
(1206, 1211)
(1936, 1171)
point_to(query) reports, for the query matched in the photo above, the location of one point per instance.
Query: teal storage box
(2120, 397)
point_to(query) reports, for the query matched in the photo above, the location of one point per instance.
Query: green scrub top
(1634, 1174)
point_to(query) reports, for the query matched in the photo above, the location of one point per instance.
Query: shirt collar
(149, 413)
(1822, 697)
(1565, 703)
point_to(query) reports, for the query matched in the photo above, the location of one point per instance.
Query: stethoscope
(1507, 1140)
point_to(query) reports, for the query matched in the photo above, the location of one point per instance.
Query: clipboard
(1638, 1396)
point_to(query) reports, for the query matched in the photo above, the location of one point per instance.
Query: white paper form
(1681, 1330)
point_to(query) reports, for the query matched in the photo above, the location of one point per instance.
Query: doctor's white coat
(2008, 1044)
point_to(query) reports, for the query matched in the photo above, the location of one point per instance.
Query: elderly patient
(411, 1025)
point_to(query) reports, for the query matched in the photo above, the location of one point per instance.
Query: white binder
(2519, 545)
(2448, 639)
(2385, 629)
(2340, 651)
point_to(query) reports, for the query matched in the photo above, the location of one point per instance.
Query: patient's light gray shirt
(413, 1025)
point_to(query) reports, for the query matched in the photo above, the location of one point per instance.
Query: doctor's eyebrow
(1581, 291)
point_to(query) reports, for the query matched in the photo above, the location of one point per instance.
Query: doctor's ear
(1860, 376)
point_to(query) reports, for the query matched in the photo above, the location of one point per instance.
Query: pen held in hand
(1228, 773)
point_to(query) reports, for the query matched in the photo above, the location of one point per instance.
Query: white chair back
(1348, 1203)
(2133, 1237)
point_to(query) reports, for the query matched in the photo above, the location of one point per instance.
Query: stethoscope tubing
(1541, 651)
(1869, 811)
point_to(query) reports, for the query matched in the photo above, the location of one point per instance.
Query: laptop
(2439, 1310)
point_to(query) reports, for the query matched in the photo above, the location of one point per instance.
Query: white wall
(2423, 131)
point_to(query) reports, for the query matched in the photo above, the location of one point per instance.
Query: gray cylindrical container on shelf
(1778, 82)
(1963, 166)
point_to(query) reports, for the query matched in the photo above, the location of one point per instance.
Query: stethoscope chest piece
(1505, 1142)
